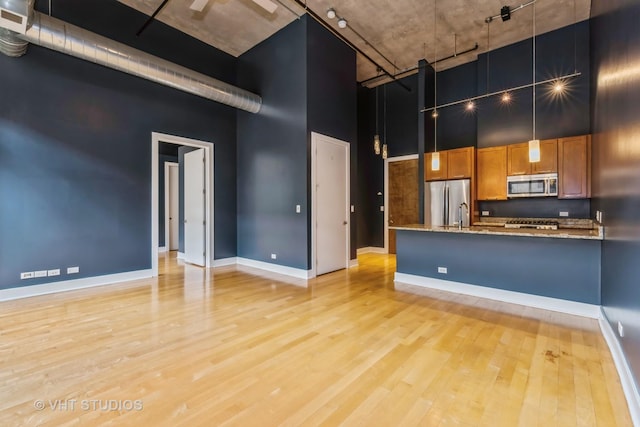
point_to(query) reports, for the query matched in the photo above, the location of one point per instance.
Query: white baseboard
(70, 285)
(162, 249)
(276, 268)
(180, 255)
(353, 263)
(224, 261)
(624, 371)
(529, 300)
(371, 250)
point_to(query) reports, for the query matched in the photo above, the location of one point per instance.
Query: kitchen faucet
(460, 213)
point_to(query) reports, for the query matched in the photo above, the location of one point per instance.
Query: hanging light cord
(534, 71)
(377, 110)
(435, 76)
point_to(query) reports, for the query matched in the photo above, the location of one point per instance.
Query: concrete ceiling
(404, 31)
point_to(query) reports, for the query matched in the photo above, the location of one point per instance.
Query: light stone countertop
(494, 228)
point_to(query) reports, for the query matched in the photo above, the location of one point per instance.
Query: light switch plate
(353, 209)
(40, 273)
(564, 213)
(442, 270)
(55, 272)
(485, 213)
(297, 208)
(381, 208)
(26, 275)
(73, 270)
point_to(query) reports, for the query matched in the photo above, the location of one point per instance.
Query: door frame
(386, 193)
(314, 202)
(156, 139)
(167, 192)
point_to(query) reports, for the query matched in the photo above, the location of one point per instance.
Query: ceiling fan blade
(198, 5)
(267, 5)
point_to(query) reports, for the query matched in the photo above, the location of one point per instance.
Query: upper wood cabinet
(491, 164)
(454, 164)
(440, 174)
(518, 158)
(574, 167)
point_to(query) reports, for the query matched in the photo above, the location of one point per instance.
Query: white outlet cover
(381, 208)
(26, 275)
(274, 256)
(564, 213)
(442, 270)
(73, 270)
(40, 273)
(485, 213)
(55, 272)
(353, 208)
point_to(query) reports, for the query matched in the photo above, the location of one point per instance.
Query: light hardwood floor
(235, 347)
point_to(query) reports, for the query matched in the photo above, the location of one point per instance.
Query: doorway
(208, 151)
(171, 205)
(330, 201)
(401, 196)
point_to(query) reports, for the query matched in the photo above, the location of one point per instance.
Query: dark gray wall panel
(273, 151)
(558, 268)
(615, 52)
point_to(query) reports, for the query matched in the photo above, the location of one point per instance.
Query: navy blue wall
(68, 194)
(307, 80)
(558, 268)
(272, 150)
(332, 103)
(615, 50)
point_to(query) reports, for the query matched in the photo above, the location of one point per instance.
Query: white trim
(314, 211)
(156, 138)
(167, 167)
(371, 250)
(225, 261)
(386, 194)
(624, 370)
(353, 263)
(180, 255)
(162, 249)
(529, 300)
(71, 285)
(276, 268)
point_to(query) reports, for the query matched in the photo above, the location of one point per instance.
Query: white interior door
(173, 212)
(331, 204)
(194, 207)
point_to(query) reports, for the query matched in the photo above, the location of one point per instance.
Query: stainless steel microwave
(540, 185)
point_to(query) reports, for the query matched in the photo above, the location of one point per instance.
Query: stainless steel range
(538, 224)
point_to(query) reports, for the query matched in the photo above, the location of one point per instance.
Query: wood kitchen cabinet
(574, 167)
(440, 174)
(491, 164)
(518, 158)
(454, 164)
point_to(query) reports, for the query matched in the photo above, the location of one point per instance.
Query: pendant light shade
(385, 151)
(435, 161)
(376, 144)
(534, 151)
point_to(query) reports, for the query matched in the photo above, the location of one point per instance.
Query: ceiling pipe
(62, 37)
(325, 24)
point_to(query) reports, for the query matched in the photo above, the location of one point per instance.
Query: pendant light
(376, 137)
(435, 156)
(385, 151)
(534, 144)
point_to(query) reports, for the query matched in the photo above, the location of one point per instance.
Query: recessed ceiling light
(331, 13)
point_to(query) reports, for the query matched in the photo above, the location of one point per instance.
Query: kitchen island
(501, 263)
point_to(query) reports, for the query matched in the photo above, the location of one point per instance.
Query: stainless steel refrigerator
(445, 201)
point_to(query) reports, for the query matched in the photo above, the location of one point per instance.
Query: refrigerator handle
(445, 213)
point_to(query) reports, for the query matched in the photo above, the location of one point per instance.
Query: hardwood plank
(235, 346)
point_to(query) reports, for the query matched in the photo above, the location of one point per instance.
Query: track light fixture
(506, 98)
(331, 13)
(342, 23)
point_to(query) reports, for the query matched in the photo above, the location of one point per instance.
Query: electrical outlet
(620, 330)
(26, 275)
(297, 208)
(353, 209)
(485, 213)
(274, 256)
(564, 213)
(55, 272)
(73, 270)
(442, 270)
(40, 273)
(381, 208)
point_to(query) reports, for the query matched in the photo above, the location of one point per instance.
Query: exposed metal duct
(62, 37)
(11, 44)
